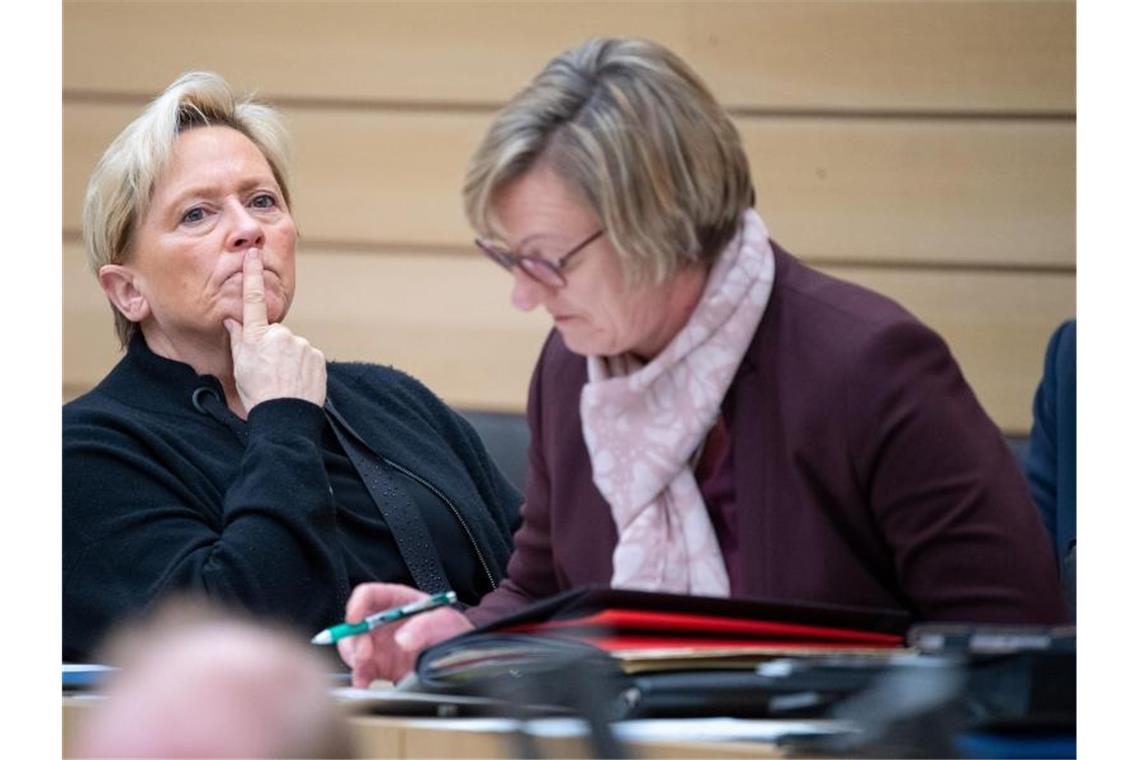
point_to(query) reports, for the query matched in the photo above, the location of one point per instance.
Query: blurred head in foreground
(197, 683)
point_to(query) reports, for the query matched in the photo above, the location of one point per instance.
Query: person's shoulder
(367, 373)
(831, 303)
(92, 406)
(123, 393)
(377, 377)
(845, 327)
(383, 387)
(1063, 342)
(394, 410)
(837, 321)
(1060, 373)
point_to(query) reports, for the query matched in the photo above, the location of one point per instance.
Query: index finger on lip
(255, 318)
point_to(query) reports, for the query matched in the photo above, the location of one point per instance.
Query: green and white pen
(344, 630)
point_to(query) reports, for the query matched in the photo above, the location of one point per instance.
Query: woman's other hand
(390, 651)
(269, 360)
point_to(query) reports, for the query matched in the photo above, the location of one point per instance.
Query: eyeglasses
(543, 270)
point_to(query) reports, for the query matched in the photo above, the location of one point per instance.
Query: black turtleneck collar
(170, 384)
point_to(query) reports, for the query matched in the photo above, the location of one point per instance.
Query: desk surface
(400, 737)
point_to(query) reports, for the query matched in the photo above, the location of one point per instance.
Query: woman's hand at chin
(269, 360)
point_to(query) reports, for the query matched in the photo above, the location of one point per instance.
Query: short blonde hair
(120, 188)
(633, 130)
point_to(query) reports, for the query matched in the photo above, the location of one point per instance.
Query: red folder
(707, 613)
(622, 629)
(650, 631)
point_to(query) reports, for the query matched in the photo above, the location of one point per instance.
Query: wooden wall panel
(949, 192)
(923, 191)
(946, 55)
(431, 52)
(1006, 57)
(447, 320)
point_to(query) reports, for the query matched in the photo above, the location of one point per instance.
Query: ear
(119, 283)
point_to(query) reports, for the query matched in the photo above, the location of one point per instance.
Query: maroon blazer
(866, 472)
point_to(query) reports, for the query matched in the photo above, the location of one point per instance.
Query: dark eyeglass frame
(537, 268)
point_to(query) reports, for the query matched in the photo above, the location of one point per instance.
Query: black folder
(693, 655)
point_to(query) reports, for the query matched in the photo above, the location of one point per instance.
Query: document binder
(659, 625)
(706, 614)
(658, 654)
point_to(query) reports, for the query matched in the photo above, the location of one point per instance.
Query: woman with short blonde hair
(709, 415)
(223, 454)
(119, 190)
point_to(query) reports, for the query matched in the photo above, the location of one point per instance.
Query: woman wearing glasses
(709, 415)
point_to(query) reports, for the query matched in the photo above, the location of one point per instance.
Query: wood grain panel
(979, 192)
(989, 192)
(446, 319)
(865, 55)
(458, 52)
(912, 56)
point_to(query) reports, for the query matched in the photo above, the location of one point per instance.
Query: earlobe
(122, 290)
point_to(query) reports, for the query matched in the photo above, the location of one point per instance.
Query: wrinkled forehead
(214, 150)
(211, 159)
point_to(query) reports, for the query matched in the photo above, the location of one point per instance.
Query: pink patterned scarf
(643, 425)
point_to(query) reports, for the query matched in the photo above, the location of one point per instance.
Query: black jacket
(159, 496)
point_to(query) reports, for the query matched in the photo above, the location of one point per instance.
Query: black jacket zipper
(455, 513)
